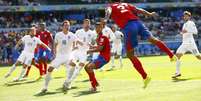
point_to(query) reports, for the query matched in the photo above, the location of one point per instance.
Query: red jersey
(45, 37)
(123, 12)
(104, 41)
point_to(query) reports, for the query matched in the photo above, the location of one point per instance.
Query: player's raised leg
(12, 69)
(163, 47)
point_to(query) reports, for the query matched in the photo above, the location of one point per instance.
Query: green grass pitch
(119, 85)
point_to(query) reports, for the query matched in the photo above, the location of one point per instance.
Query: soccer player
(103, 47)
(80, 56)
(107, 31)
(125, 15)
(188, 43)
(117, 46)
(30, 43)
(42, 55)
(63, 45)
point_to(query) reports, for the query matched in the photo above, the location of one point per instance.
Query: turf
(118, 85)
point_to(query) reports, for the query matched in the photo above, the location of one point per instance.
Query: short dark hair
(65, 21)
(115, 0)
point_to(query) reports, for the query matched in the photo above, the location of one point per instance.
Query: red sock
(27, 72)
(40, 67)
(92, 78)
(164, 48)
(37, 65)
(138, 66)
(45, 68)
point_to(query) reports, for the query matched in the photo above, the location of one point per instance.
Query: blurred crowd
(50, 2)
(167, 26)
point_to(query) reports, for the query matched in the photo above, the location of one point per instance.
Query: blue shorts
(99, 62)
(43, 54)
(133, 29)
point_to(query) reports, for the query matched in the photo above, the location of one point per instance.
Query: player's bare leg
(89, 69)
(198, 57)
(178, 64)
(12, 69)
(163, 47)
(138, 66)
(47, 79)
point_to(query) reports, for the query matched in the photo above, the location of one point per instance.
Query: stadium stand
(165, 27)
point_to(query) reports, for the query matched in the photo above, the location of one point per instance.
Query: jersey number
(122, 7)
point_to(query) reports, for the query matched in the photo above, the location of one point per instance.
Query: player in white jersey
(107, 31)
(30, 43)
(63, 45)
(117, 46)
(79, 57)
(188, 43)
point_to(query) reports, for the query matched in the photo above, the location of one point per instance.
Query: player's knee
(50, 69)
(88, 67)
(72, 64)
(198, 57)
(130, 54)
(153, 40)
(81, 64)
(178, 55)
(24, 66)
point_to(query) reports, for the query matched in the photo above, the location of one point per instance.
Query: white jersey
(191, 29)
(118, 37)
(108, 33)
(86, 37)
(30, 43)
(188, 43)
(64, 43)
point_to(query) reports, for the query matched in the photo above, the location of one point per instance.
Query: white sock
(178, 63)
(12, 69)
(69, 74)
(22, 73)
(120, 60)
(76, 73)
(47, 79)
(113, 61)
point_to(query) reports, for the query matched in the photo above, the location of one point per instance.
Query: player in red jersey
(126, 17)
(42, 55)
(103, 47)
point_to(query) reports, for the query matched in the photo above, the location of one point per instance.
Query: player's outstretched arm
(18, 44)
(95, 49)
(146, 13)
(108, 12)
(44, 45)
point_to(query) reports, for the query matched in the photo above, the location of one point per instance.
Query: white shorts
(188, 48)
(80, 56)
(60, 60)
(117, 49)
(26, 58)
